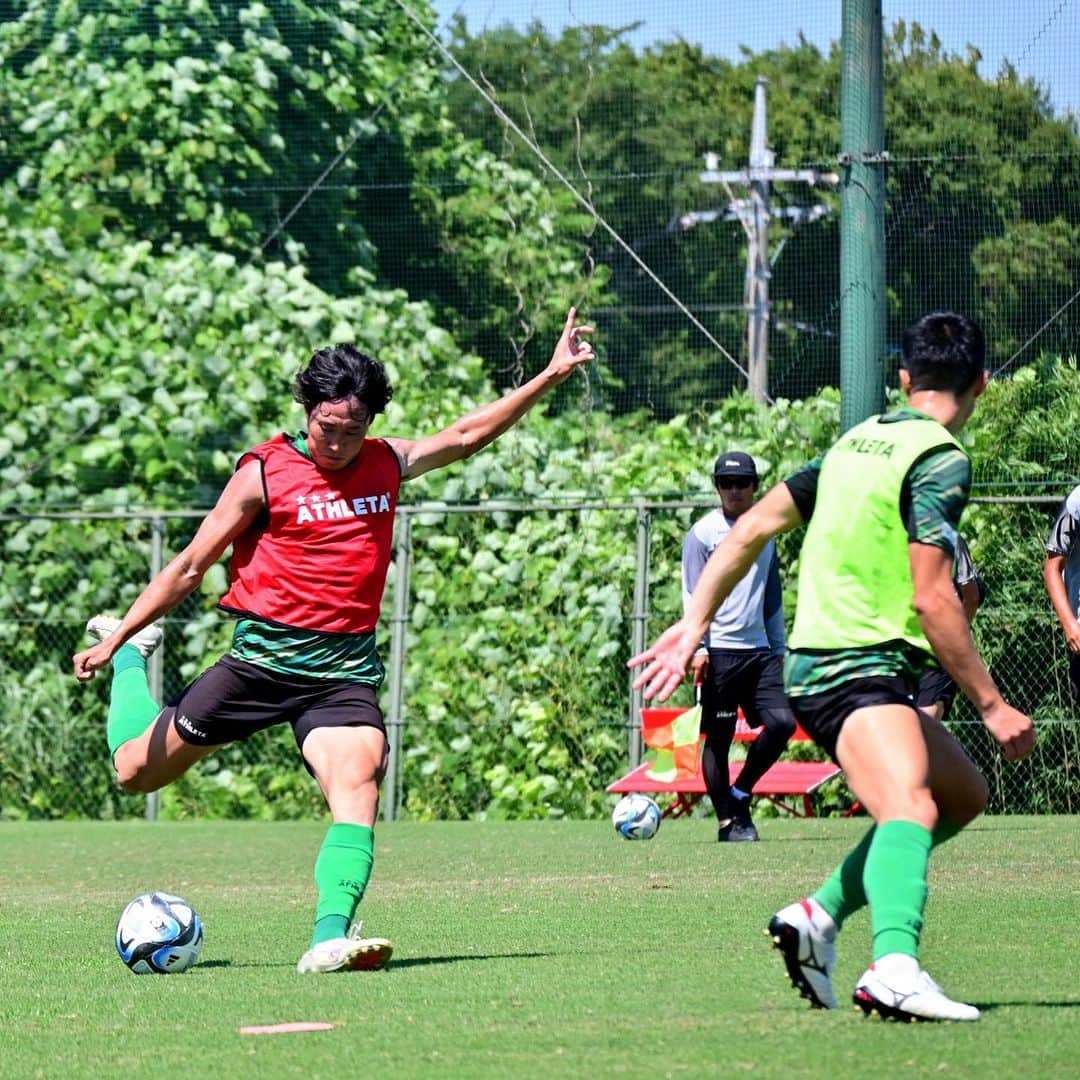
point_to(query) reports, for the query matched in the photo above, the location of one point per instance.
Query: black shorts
(751, 679)
(936, 686)
(823, 715)
(234, 699)
(1074, 674)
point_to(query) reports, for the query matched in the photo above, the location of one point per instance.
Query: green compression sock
(342, 871)
(843, 893)
(895, 883)
(131, 708)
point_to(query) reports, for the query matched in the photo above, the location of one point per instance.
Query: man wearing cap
(740, 662)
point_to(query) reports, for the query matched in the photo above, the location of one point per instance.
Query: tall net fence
(515, 700)
(195, 195)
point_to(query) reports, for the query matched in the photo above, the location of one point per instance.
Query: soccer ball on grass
(636, 817)
(160, 934)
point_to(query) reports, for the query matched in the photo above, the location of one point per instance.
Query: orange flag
(675, 748)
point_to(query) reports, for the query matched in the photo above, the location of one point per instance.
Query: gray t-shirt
(1065, 540)
(752, 617)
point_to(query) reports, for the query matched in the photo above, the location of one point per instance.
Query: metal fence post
(639, 629)
(862, 214)
(400, 616)
(155, 668)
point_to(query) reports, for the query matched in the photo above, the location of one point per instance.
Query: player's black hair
(343, 371)
(943, 351)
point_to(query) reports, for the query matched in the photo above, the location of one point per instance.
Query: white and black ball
(636, 817)
(159, 934)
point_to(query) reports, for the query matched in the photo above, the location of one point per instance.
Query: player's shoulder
(946, 465)
(1072, 502)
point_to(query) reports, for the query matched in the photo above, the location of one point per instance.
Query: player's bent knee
(972, 801)
(781, 721)
(141, 782)
(132, 773)
(925, 807)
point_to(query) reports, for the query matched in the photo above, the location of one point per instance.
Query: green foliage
(310, 133)
(52, 760)
(1016, 435)
(981, 193)
(168, 364)
(171, 113)
(159, 293)
(519, 620)
(262, 790)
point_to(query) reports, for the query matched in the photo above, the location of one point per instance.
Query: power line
(589, 207)
(1038, 333)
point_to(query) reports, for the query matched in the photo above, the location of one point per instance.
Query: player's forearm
(1055, 589)
(949, 633)
(174, 584)
(482, 426)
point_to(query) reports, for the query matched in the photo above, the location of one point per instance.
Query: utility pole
(754, 212)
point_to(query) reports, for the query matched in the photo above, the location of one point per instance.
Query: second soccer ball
(636, 817)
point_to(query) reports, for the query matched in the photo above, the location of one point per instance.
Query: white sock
(897, 966)
(822, 920)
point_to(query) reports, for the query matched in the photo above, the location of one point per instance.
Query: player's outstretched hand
(665, 662)
(91, 660)
(570, 350)
(1012, 729)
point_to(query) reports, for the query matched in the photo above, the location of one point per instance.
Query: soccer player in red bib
(310, 519)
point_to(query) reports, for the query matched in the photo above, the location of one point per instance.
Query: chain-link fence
(196, 195)
(505, 634)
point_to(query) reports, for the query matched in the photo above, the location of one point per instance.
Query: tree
(312, 133)
(972, 160)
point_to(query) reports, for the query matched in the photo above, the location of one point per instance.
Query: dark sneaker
(806, 938)
(741, 827)
(737, 832)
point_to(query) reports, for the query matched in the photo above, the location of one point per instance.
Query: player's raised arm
(472, 432)
(665, 662)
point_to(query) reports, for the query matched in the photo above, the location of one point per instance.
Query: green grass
(527, 950)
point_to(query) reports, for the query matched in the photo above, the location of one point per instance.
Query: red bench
(786, 780)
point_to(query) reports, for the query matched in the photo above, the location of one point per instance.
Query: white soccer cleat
(907, 999)
(146, 640)
(805, 934)
(352, 953)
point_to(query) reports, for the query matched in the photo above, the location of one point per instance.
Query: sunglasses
(738, 483)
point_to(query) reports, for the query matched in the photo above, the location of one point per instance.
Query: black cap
(735, 463)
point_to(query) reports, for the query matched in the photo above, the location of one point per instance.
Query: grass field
(525, 950)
